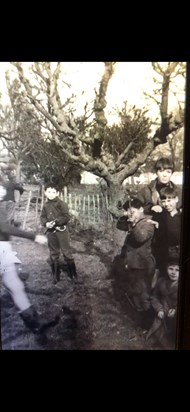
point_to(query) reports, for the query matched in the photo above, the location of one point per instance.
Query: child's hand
(171, 313)
(161, 314)
(157, 208)
(41, 239)
(51, 224)
(153, 222)
(129, 216)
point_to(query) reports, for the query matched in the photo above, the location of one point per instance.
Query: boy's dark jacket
(169, 230)
(168, 235)
(57, 210)
(165, 295)
(138, 242)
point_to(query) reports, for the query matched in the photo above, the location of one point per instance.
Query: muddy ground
(94, 313)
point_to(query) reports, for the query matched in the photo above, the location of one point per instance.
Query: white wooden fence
(89, 209)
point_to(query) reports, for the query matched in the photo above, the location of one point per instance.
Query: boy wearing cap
(137, 252)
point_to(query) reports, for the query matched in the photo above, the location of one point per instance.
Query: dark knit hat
(133, 202)
(173, 256)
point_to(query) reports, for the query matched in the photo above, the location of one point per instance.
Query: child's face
(164, 175)
(173, 272)
(134, 215)
(3, 192)
(170, 203)
(51, 193)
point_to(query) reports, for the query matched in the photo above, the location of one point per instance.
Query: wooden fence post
(65, 194)
(109, 215)
(83, 209)
(75, 205)
(88, 208)
(27, 209)
(36, 216)
(70, 202)
(42, 202)
(98, 201)
(94, 208)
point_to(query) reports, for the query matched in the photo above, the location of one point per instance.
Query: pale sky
(127, 83)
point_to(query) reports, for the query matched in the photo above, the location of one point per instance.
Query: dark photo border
(183, 317)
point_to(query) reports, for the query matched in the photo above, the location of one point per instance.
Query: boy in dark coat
(168, 234)
(150, 194)
(137, 253)
(55, 217)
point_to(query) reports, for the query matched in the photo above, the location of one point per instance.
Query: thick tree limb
(123, 155)
(99, 106)
(59, 124)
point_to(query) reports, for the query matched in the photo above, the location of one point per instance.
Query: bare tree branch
(75, 145)
(59, 124)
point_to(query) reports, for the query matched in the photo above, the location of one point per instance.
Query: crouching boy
(164, 303)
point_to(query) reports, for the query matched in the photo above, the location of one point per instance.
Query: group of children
(152, 222)
(151, 249)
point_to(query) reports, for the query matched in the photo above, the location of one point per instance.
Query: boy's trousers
(59, 242)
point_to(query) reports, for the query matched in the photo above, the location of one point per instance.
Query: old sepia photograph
(91, 204)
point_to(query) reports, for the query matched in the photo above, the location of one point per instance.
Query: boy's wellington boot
(33, 321)
(71, 269)
(63, 265)
(53, 268)
(57, 271)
